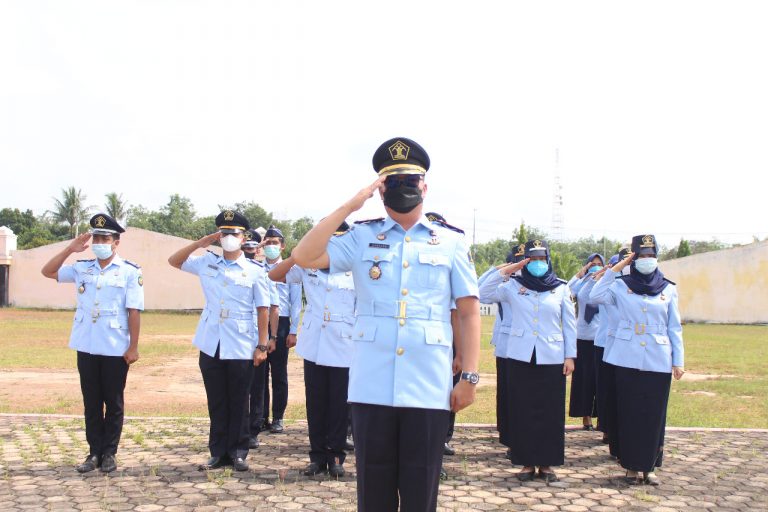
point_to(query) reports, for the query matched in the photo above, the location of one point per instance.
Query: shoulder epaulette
(562, 280)
(210, 251)
(86, 261)
(448, 226)
(621, 277)
(369, 221)
(670, 282)
(132, 263)
(255, 262)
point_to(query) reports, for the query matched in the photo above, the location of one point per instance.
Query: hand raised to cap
(511, 268)
(623, 263)
(80, 243)
(209, 239)
(584, 269)
(364, 195)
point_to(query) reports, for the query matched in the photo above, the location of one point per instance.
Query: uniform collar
(239, 261)
(389, 223)
(117, 260)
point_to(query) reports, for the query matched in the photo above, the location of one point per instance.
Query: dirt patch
(174, 387)
(696, 377)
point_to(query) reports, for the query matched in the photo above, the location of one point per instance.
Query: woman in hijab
(583, 381)
(540, 349)
(646, 351)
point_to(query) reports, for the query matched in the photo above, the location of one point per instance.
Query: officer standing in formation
(251, 249)
(541, 348)
(234, 288)
(283, 334)
(499, 341)
(105, 332)
(406, 271)
(646, 352)
(325, 344)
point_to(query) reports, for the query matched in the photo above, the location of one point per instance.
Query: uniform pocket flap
(116, 282)
(79, 315)
(243, 326)
(661, 339)
(374, 255)
(433, 259)
(624, 334)
(115, 324)
(557, 337)
(204, 315)
(437, 336)
(512, 331)
(364, 331)
(306, 323)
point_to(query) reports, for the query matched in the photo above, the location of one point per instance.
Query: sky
(658, 110)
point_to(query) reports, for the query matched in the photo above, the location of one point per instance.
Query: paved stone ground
(704, 470)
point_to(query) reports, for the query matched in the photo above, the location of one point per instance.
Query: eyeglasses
(399, 180)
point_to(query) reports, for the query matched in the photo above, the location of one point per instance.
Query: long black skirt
(536, 412)
(641, 417)
(583, 400)
(502, 399)
(602, 382)
(608, 414)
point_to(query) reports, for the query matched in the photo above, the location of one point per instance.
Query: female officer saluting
(647, 348)
(541, 346)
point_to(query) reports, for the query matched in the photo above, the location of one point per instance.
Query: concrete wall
(729, 286)
(164, 286)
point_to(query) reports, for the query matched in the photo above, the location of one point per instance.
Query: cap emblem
(229, 215)
(537, 244)
(647, 241)
(100, 222)
(399, 151)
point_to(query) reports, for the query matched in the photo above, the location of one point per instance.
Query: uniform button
(400, 351)
(405, 264)
(101, 273)
(360, 335)
(95, 303)
(642, 343)
(433, 261)
(94, 320)
(645, 309)
(326, 306)
(375, 258)
(327, 289)
(407, 239)
(535, 320)
(225, 285)
(404, 291)
(402, 321)
(323, 326)
(222, 301)
(98, 287)
(535, 333)
(535, 308)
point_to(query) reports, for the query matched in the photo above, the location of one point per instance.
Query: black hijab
(645, 284)
(549, 281)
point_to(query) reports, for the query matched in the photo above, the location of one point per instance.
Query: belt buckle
(639, 328)
(224, 313)
(327, 316)
(402, 308)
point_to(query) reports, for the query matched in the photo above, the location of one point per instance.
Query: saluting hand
(365, 194)
(623, 263)
(80, 243)
(209, 239)
(597, 275)
(511, 268)
(583, 270)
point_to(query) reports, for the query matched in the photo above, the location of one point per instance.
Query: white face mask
(646, 265)
(230, 243)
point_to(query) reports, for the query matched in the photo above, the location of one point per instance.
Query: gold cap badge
(399, 151)
(520, 250)
(537, 244)
(100, 222)
(647, 241)
(229, 215)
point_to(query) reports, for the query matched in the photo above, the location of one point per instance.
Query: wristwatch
(272, 337)
(471, 377)
(263, 348)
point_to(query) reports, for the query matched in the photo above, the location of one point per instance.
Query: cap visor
(231, 231)
(646, 250)
(536, 252)
(104, 232)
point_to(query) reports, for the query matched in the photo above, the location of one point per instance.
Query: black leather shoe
(108, 464)
(315, 468)
(526, 476)
(350, 444)
(265, 425)
(91, 462)
(548, 476)
(336, 470)
(277, 427)
(215, 463)
(587, 427)
(253, 442)
(448, 450)
(239, 464)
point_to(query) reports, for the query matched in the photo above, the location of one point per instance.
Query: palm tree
(71, 209)
(117, 208)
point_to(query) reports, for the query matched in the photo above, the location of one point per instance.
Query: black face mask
(402, 199)
(249, 255)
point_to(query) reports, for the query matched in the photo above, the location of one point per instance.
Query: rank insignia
(374, 272)
(662, 297)
(435, 241)
(82, 288)
(141, 280)
(381, 236)
(523, 291)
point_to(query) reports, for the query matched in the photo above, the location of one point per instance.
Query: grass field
(735, 357)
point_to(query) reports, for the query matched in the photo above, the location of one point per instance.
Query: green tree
(565, 264)
(684, 249)
(71, 209)
(116, 207)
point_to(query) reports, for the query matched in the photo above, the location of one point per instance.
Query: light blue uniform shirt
(580, 289)
(232, 289)
(609, 318)
(405, 281)
(541, 320)
(326, 329)
(649, 335)
(289, 296)
(497, 340)
(103, 298)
